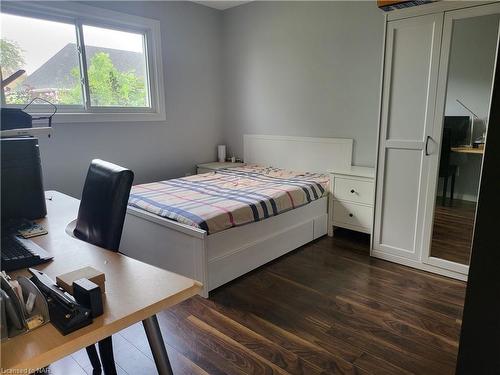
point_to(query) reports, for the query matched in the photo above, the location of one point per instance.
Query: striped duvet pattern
(229, 197)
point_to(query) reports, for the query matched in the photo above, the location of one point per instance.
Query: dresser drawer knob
(353, 191)
(351, 215)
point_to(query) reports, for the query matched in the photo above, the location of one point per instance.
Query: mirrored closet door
(436, 86)
(470, 39)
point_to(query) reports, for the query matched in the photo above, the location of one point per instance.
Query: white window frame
(79, 14)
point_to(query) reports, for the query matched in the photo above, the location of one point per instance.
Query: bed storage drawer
(353, 190)
(351, 215)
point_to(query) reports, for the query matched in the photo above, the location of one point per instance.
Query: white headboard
(298, 153)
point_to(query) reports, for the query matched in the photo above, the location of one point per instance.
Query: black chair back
(444, 161)
(104, 204)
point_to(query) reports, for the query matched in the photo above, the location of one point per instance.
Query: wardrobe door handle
(427, 144)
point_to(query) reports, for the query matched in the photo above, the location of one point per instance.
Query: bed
(218, 226)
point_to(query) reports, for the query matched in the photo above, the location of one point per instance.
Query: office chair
(447, 170)
(100, 222)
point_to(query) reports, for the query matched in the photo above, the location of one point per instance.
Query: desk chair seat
(100, 222)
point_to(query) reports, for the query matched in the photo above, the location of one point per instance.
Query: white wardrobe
(414, 88)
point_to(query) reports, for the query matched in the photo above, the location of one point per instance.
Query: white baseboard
(418, 265)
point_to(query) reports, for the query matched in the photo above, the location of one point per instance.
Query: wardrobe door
(466, 75)
(408, 100)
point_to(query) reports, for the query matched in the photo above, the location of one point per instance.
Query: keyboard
(20, 253)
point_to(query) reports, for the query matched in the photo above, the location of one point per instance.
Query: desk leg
(157, 345)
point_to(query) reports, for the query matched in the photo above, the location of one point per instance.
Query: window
(116, 67)
(83, 65)
(48, 60)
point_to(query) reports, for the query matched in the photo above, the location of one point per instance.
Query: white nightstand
(211, 167)
(353, 193)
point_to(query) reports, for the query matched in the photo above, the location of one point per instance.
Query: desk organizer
(15, 318)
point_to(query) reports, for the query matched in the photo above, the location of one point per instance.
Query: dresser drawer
(353, 190)
(352, 214)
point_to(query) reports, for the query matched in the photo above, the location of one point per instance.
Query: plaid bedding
(229, 197)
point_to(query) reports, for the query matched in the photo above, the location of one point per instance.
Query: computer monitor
(21, 179)
(459, 129)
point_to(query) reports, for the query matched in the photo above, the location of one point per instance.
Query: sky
(41, 39)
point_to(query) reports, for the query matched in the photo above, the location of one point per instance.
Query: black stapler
(65, 313)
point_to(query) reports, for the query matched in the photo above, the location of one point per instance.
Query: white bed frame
(221, 257)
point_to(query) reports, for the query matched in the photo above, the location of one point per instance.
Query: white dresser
(211, 167)
(352, 191)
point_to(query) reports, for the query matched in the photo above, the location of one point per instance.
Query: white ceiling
(221, 5)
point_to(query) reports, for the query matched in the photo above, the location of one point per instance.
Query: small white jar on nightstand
(353, 193)
(212, 167)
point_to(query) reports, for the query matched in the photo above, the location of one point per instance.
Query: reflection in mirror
(470, 76)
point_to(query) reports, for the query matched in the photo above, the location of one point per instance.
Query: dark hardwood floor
(327, 308)
(452, 232)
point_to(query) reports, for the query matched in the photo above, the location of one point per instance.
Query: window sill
(98, 118)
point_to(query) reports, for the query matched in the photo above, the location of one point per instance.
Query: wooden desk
(468, 150)
(135, 291)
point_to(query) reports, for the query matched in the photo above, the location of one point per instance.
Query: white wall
(293, 68)
(472, 59)
(303, 68)
(191, 45)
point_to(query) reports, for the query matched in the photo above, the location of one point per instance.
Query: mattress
(229, 197)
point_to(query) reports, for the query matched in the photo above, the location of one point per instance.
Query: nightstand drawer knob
(353, 191)
(351, 215)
